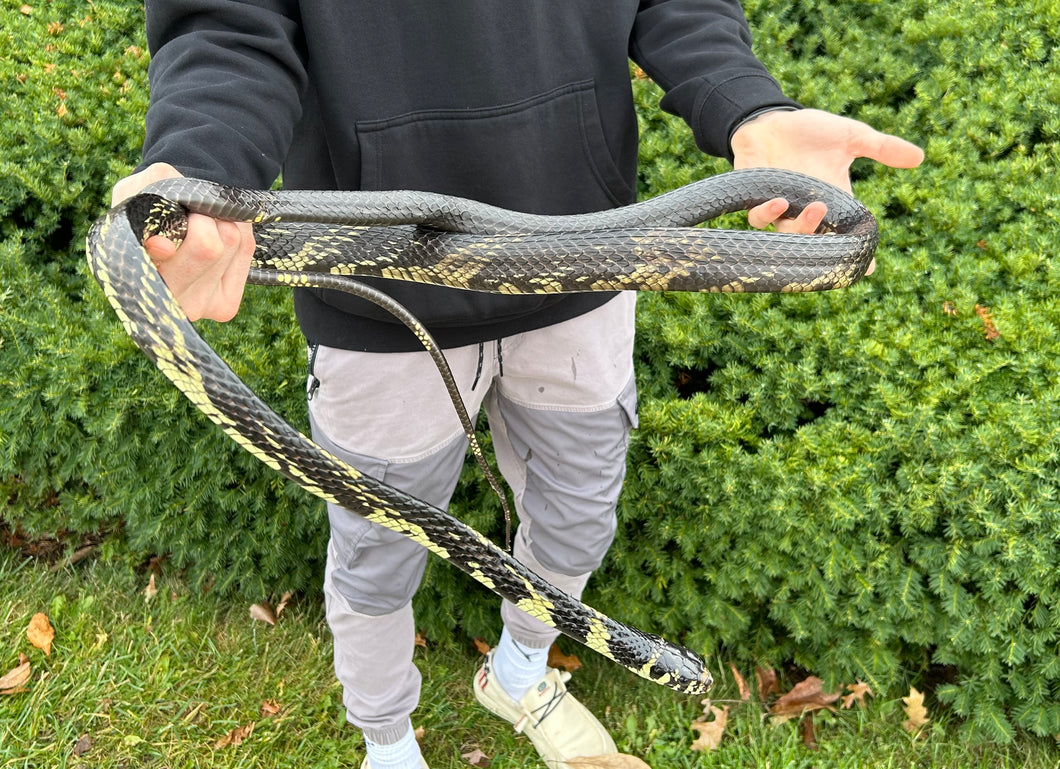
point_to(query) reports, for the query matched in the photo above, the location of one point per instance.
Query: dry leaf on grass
(809, 737)
(608, 761)
(805, 696)
(476, 758)
(710, 732)
(858, 692)
(263, 613)
(916, 712)
(83, 745)
(14, 681)
(284, 599)
(767, 683)
(557, 659)
(270, 708)
(235, 737)
(40, 633)
(745, 690)
(149, 592)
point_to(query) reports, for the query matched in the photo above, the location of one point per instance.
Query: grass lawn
(165, 681)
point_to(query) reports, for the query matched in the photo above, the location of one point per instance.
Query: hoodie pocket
(543, 154)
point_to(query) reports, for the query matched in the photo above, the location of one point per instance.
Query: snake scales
(316, 238)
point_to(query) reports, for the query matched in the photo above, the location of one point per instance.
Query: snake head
(151, 215)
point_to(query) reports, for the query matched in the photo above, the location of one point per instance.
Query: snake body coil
(316, 238)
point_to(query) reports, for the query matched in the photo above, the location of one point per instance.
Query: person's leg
(389, 416)
(560, 416)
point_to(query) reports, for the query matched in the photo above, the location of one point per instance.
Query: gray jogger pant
(560, 401)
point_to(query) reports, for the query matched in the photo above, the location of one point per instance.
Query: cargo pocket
(627, 401)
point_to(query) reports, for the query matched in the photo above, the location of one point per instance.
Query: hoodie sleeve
(227, 78)
(699, 52)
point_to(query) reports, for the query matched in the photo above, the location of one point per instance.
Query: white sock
(518, 667)
(403, 754)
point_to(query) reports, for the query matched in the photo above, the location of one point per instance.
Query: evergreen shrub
(90, 437)
(862, 483)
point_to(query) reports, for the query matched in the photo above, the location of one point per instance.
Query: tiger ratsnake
(316, 238)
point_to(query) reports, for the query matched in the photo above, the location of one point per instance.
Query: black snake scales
(315, 238)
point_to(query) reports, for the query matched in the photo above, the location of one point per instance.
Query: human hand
(816, 143)
(208, 272)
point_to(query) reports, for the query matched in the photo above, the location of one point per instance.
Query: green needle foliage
(860, 483)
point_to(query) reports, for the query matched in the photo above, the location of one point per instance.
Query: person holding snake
(527, 106)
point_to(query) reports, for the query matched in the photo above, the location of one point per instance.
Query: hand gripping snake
(319, 239)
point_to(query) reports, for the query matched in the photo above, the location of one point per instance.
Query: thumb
(134, 183)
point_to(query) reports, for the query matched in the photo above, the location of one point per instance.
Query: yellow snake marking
(535, 604)
(598, 638)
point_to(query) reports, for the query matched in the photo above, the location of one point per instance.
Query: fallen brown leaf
(916, 712)
(150, 591)
(481, 646)
(804, 697)
(710, 732)
(741, 683)
(14, 680)
(767, 683)
(235, 737)
(41, 633)
(476, 758)
(83, 745)
(557, 659)
(270, 708)
(284, 599)
(263, 613)
(858, 692)
(809, 737)
(608, 761)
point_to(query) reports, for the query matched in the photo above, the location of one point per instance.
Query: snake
(329, 239)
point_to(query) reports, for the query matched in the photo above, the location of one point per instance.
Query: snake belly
(317, 238)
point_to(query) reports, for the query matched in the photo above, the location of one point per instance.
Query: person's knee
(576, 547)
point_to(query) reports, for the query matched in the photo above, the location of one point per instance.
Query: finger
(761, 216)
(217, 288)
(159, 248)
(887, 149)
(208, 272)
(806, 222)
(234, 279)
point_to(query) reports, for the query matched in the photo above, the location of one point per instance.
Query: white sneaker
(559, 726)
(366, 765)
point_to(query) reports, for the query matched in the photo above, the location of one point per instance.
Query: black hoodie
(524, 104)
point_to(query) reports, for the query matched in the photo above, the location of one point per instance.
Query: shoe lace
(548, 708)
